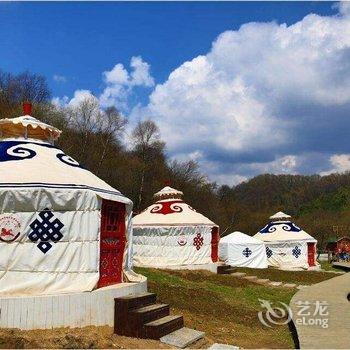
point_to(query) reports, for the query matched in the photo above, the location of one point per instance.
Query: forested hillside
(96, 138)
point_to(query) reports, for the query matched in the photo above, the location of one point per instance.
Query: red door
(311, 251)
(112, 243)
(214, 244)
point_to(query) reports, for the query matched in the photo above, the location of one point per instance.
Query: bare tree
(147, 143)
(111, 127)
(15, 89)
(85, 117)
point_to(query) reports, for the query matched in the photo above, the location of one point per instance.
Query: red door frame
(311, 251)
(215, 243)
(112, 243)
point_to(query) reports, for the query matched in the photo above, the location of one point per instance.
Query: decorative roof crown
(280, 216)
(28, 127)
(168, 193)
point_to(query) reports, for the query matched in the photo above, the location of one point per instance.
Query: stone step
(275, 284)
(250, 278)
(302, 286)
(262, 280)
(218, 346)
(225, 269)
(165, 325)
(238, 274)
(182, 337)
(289, 285)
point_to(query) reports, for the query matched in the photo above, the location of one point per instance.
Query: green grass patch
(298, 277)
(224, 307)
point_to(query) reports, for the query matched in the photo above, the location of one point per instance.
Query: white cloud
(140, 75)
(119, 82)
(79, 96)
(59, 78)
(118, 85)
(266, 98)
(340, 163)
(260, 90)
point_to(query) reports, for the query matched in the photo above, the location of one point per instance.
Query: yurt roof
(34, 163)
(167, 192)
(170, 212)
(28, 127)
(283, 230)
(279, 215)
(238, 237)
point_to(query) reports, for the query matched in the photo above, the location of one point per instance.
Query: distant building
(287, 245)
(239, 249)
(338, 245)
(172, 233)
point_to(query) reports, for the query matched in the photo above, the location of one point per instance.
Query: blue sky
(246, 122)
(81, 40)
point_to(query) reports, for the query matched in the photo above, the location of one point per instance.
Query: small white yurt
(171, 233)
(287, 245)
(241, 250)
(62, 229)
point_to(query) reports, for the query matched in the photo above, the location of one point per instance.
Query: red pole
(27, 108)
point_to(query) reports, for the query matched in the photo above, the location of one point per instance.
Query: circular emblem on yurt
(182, 241)
(10, 228)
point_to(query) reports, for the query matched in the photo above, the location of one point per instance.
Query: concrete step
(275, 284)
(238, 274)
(165, 325)
(262, 280)
(182, 337)
(302, 286)
(218, 346)
(250, 278)
(225, 269)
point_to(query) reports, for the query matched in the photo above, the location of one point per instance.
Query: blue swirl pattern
(286, 226)
(13, 150)
(16, 150)
(67, 160)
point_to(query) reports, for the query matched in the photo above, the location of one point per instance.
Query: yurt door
(214, 244)
(112, 242)
(311, 251)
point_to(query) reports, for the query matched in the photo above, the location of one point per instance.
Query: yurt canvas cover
(239, 249)
(62, 229)
(287, 245)
(170, 232)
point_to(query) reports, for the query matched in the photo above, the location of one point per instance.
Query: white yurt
(171, 233)
(62, 229)
(287, 245)
(241, 250)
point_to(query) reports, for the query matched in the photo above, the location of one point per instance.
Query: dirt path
(73, 338)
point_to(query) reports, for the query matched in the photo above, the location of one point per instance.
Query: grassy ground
(73, 338)
(325, 265)
(298, 277)
(223, 306)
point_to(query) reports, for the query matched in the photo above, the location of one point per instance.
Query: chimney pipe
(27, 108)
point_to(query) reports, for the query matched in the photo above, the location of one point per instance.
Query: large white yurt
(241, 250)
(62, 229)
(287, 245)
(171, 233)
